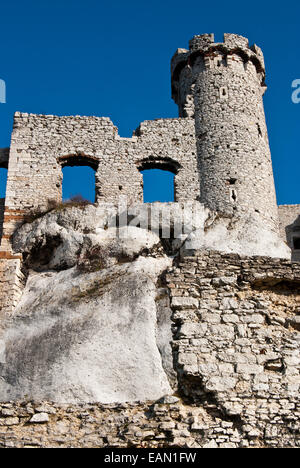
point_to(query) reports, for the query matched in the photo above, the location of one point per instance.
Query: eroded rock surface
(87, 326)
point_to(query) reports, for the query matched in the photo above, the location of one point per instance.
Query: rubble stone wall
(42, 145)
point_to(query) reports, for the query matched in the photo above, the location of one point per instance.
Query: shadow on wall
(293, 238)
(3, 180)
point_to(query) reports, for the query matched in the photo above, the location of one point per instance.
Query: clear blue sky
(90, 57)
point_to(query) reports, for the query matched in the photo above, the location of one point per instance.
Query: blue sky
(112, 59)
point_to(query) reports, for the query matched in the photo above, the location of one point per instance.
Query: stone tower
(221, 85)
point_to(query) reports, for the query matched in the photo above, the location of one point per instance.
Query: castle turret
(221, 85)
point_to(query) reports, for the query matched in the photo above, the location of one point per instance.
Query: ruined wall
(235, 345)
(224, 84)
(41, 145)
(289, 217)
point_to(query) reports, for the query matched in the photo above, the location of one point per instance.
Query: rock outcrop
(157, 343)
(88, 326)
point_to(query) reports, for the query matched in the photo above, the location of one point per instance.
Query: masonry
(227, 361)
(205, 161)
(236, 348)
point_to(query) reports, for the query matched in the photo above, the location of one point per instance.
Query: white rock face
(59, 238)
(245, 236)
(91, 333)
(93, 324)
(86, 337)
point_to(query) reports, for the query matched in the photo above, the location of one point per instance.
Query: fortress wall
(41, 145)
(288, 215)
(163, 144)
(236, 353)
(237, 340)
(11, 283)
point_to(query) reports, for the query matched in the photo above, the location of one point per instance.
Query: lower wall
(11, 277)
(237, 341)
(163, 424)
(236, 337)
(11, 283)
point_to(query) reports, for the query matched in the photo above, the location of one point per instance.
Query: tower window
(232, 181)
(233, 195)
(223, 93)
(259, 130)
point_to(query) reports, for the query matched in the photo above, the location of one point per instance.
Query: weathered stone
(99, 306)
(40, 418)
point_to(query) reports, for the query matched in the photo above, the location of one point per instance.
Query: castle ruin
(233, 292)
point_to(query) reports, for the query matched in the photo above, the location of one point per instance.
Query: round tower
(221, 85)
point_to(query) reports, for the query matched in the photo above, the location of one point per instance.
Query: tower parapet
(233, 52)
(221, 86)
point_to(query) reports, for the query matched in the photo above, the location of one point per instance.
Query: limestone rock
(89, 327)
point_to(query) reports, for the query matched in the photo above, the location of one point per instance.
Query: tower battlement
(233, 51)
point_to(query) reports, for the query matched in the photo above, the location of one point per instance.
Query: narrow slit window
(259, 130)
(233, 195)
(158, 185)
(223, 93)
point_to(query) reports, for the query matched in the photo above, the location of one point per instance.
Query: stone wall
(11, 283)
(289, 217)
(235, 345)
(42, 145)
(237, 340)
(168, 423)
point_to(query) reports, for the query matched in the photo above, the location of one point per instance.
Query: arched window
(3, 179)
(158, 185)
(79, 180)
